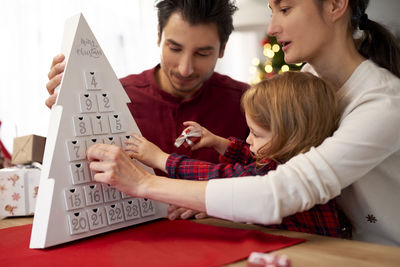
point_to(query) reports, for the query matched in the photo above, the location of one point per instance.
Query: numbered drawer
(110, 193)
(88, 103)
(80, 173)
(124, 195)
(93, 194)
(74, 198)
(82, 125)
(93, 80)
(94, 140)
(114, 213)
(131, 209)
(117, 123)
(147, 207)
(78, 223)
(100, 124)
(97, 218)
(105, 102)
(123, 139)
(112, 140)
(76, 149)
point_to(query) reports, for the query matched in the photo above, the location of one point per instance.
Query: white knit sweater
(361, 161)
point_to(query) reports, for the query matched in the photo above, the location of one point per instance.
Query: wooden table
(316, 251)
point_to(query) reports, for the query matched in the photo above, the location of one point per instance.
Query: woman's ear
(337, 8)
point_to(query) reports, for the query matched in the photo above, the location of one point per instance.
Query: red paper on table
(159, 243)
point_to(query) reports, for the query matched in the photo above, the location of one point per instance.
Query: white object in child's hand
(258, 259)
(189, 137)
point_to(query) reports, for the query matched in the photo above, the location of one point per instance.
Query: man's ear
(222, 50)
(337, 8)
(159, 38)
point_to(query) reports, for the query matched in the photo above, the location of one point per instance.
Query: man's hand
(55, 76)
(175, 212)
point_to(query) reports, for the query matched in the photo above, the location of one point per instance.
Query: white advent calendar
(90, 108)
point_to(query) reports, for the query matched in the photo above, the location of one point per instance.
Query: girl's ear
(337, 8)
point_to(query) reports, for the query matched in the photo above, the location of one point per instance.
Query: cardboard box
(28, 149)
(18, 191)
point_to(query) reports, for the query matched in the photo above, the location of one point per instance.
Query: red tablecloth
(159, 243)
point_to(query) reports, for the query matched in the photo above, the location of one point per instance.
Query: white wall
(387, 13)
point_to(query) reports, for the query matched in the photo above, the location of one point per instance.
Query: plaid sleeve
(182, 167)
(321, 220)
(237, 152)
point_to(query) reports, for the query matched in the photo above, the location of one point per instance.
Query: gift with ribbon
(259, 259)
(189, 137)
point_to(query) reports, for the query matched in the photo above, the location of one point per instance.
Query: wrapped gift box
(18, 191)
(28, 149)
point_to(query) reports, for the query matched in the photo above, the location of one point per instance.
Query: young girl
(287, 115)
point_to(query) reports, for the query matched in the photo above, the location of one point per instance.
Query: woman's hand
(111, 165)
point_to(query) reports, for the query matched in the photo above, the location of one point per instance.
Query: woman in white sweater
(360, 162)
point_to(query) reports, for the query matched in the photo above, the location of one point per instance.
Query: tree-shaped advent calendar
(90, 108)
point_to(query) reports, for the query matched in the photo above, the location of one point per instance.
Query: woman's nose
(273, 27)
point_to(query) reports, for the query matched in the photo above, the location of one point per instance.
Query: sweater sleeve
(182, 167)
(237, 152)
(369, 132)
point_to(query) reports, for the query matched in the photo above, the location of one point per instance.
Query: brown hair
(300, 110)
(219, 12)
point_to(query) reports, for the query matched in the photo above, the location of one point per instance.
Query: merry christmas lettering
(89, 48)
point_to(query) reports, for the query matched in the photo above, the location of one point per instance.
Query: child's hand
(208, 139)
(146, 152)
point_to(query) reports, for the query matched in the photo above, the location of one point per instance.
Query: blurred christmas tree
(273, 63)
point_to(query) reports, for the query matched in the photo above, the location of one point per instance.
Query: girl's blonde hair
(300, 110)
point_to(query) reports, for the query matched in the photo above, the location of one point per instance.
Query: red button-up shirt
(160, 115)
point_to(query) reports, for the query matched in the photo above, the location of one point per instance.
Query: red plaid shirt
(239, 161)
